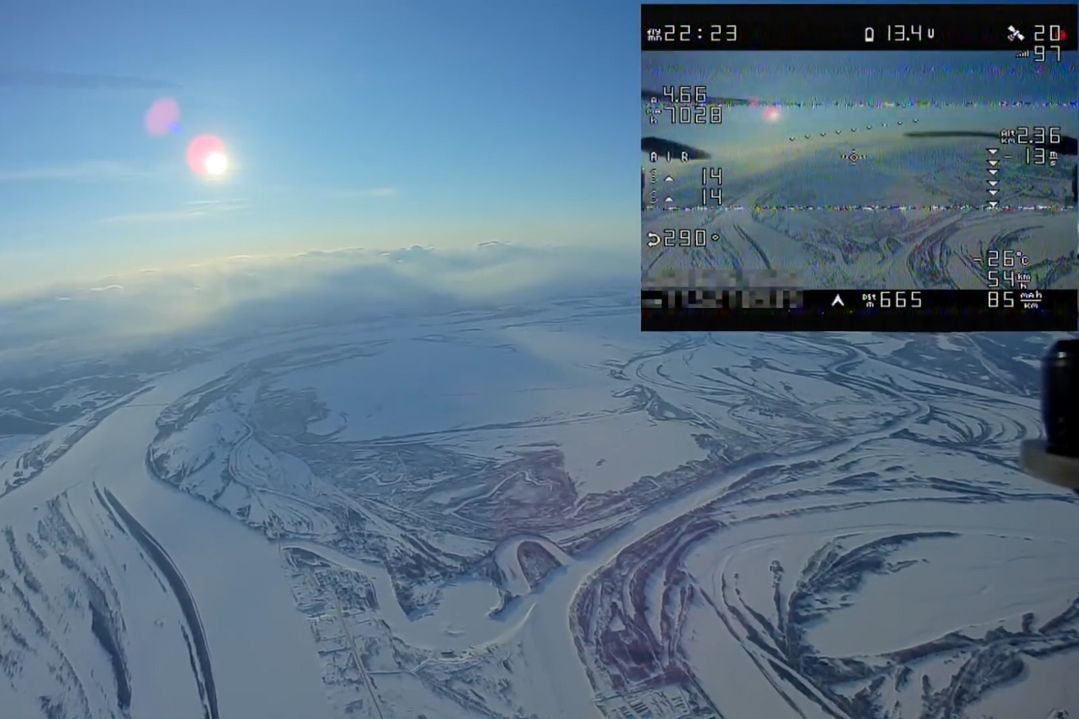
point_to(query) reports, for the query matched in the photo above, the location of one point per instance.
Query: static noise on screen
(722, 298)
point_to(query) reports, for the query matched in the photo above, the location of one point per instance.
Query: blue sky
(347, 123)
(350, 123)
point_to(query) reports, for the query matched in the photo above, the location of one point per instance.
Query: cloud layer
(243, 296)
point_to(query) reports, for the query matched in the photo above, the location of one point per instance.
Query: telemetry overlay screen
(859, 167)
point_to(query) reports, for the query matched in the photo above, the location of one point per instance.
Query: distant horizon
(115, 311)
(86, 281)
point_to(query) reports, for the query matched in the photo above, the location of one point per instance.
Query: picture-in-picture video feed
(859, 167)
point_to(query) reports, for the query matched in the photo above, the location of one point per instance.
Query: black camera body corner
(1056, 458)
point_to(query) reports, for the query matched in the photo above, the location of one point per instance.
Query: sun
(217, 163)
(208, 156)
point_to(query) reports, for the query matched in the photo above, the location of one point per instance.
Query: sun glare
(208, 156)
(217, 163)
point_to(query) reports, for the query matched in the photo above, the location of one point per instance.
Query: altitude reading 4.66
(689, 105)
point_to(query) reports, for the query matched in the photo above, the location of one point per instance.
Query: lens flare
(162, 117)
(771, 114)
(206, 155)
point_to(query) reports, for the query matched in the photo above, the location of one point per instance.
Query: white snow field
(511, 506)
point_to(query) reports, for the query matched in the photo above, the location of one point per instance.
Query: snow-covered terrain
(797, 217)
(495, 506)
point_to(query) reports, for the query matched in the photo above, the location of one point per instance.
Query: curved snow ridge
(183, 596)
(818, 629)
(88, 624)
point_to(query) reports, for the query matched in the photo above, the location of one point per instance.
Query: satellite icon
(1015, 34)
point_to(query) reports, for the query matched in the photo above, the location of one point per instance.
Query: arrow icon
(993, 171)
(993, 204)
(993, 193)
(992, 150)
(993, 183)
(838, 301)
(993, 163)
(668, 178)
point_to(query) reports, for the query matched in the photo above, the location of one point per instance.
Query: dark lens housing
(1060, 398)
